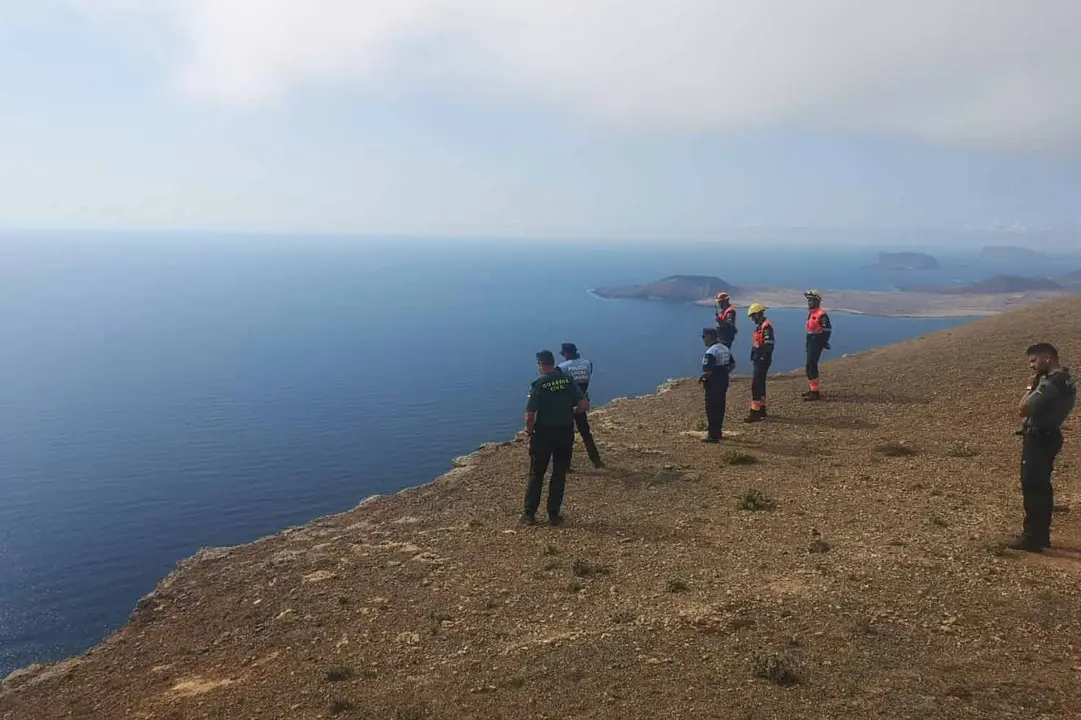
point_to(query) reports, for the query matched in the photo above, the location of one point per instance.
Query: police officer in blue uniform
(581, 371)
(1047, 402)
(717, 365)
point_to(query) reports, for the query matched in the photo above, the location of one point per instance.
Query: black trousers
(758, 380)
(1038, 451)
(549, 445)
(716, 399)
(815, 346)
(581, 421)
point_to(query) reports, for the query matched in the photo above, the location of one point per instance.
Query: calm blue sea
(164, 393)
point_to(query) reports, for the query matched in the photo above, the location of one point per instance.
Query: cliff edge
(838, 560)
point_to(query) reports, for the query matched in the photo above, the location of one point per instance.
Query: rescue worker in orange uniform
(726, 320)
(819, 330)
(761, 358)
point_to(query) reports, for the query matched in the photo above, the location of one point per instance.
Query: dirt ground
(841, 560)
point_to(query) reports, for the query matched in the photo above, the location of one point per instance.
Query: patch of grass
(938, 522)
(552, 564)
(369, 673)
(818, 546)
(623, 617)
(516, 682)
(551, 549)
(754, 500)
(700, 424)
(677, 585)
(732, 456)
(584, 568)
(491, 604)
(436, 620)
(960, 450)
(575, 586)
(998, 549)
(779, 669)
(894, 449)
(341, 705)
(339, 673)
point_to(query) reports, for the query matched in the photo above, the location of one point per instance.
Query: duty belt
(1032, 430)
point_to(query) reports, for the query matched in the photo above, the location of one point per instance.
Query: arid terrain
(841, 560)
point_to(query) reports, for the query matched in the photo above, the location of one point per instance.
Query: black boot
(754, 416)
(812, 395)
(1026, 544)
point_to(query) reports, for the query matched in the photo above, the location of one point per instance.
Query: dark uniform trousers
(758, 379)
(716, 398)
(1038, 451)
(581, 421)
(553, 445)
(815, 345)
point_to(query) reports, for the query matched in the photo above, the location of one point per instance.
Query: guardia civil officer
(717, 365)
(549, 421)
(1046, 404)
(581, 371)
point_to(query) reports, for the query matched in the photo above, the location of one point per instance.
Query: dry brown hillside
(873, 589)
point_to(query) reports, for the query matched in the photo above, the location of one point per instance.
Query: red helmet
(722, 296)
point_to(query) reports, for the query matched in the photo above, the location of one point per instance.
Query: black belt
(1031, 430)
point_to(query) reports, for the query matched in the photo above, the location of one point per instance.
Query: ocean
(163, 393)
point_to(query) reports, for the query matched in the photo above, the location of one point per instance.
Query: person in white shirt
(581, 371)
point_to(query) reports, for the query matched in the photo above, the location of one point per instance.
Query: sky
(607, 118)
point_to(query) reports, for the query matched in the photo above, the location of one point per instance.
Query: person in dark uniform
(549, 422)
(761, 358)
(581, 371)
(1047, 402)
(726, 320)
(819, 330)
(717, 365)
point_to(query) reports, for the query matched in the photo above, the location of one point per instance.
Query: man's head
(546, 362)
(709, 336)
(1043, 357)
(757, 312)
(569, 351)
(723, 299)
(814, 299)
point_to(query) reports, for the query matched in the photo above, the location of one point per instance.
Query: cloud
(1000, 75)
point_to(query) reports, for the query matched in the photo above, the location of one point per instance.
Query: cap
(569, 350)
(545, 357)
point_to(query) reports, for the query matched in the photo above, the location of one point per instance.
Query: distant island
(674, 288)
(988, 297)
(906, 261)
(1012, 254)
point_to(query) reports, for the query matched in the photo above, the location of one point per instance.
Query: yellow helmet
(813, 294)
(755, 308)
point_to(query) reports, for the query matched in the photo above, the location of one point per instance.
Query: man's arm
(765, 353)
(580, 402)
(1037, 399)
(531, 410)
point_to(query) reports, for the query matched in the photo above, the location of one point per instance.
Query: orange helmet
(722, 296)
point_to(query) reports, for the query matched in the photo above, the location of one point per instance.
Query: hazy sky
(553, 117)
